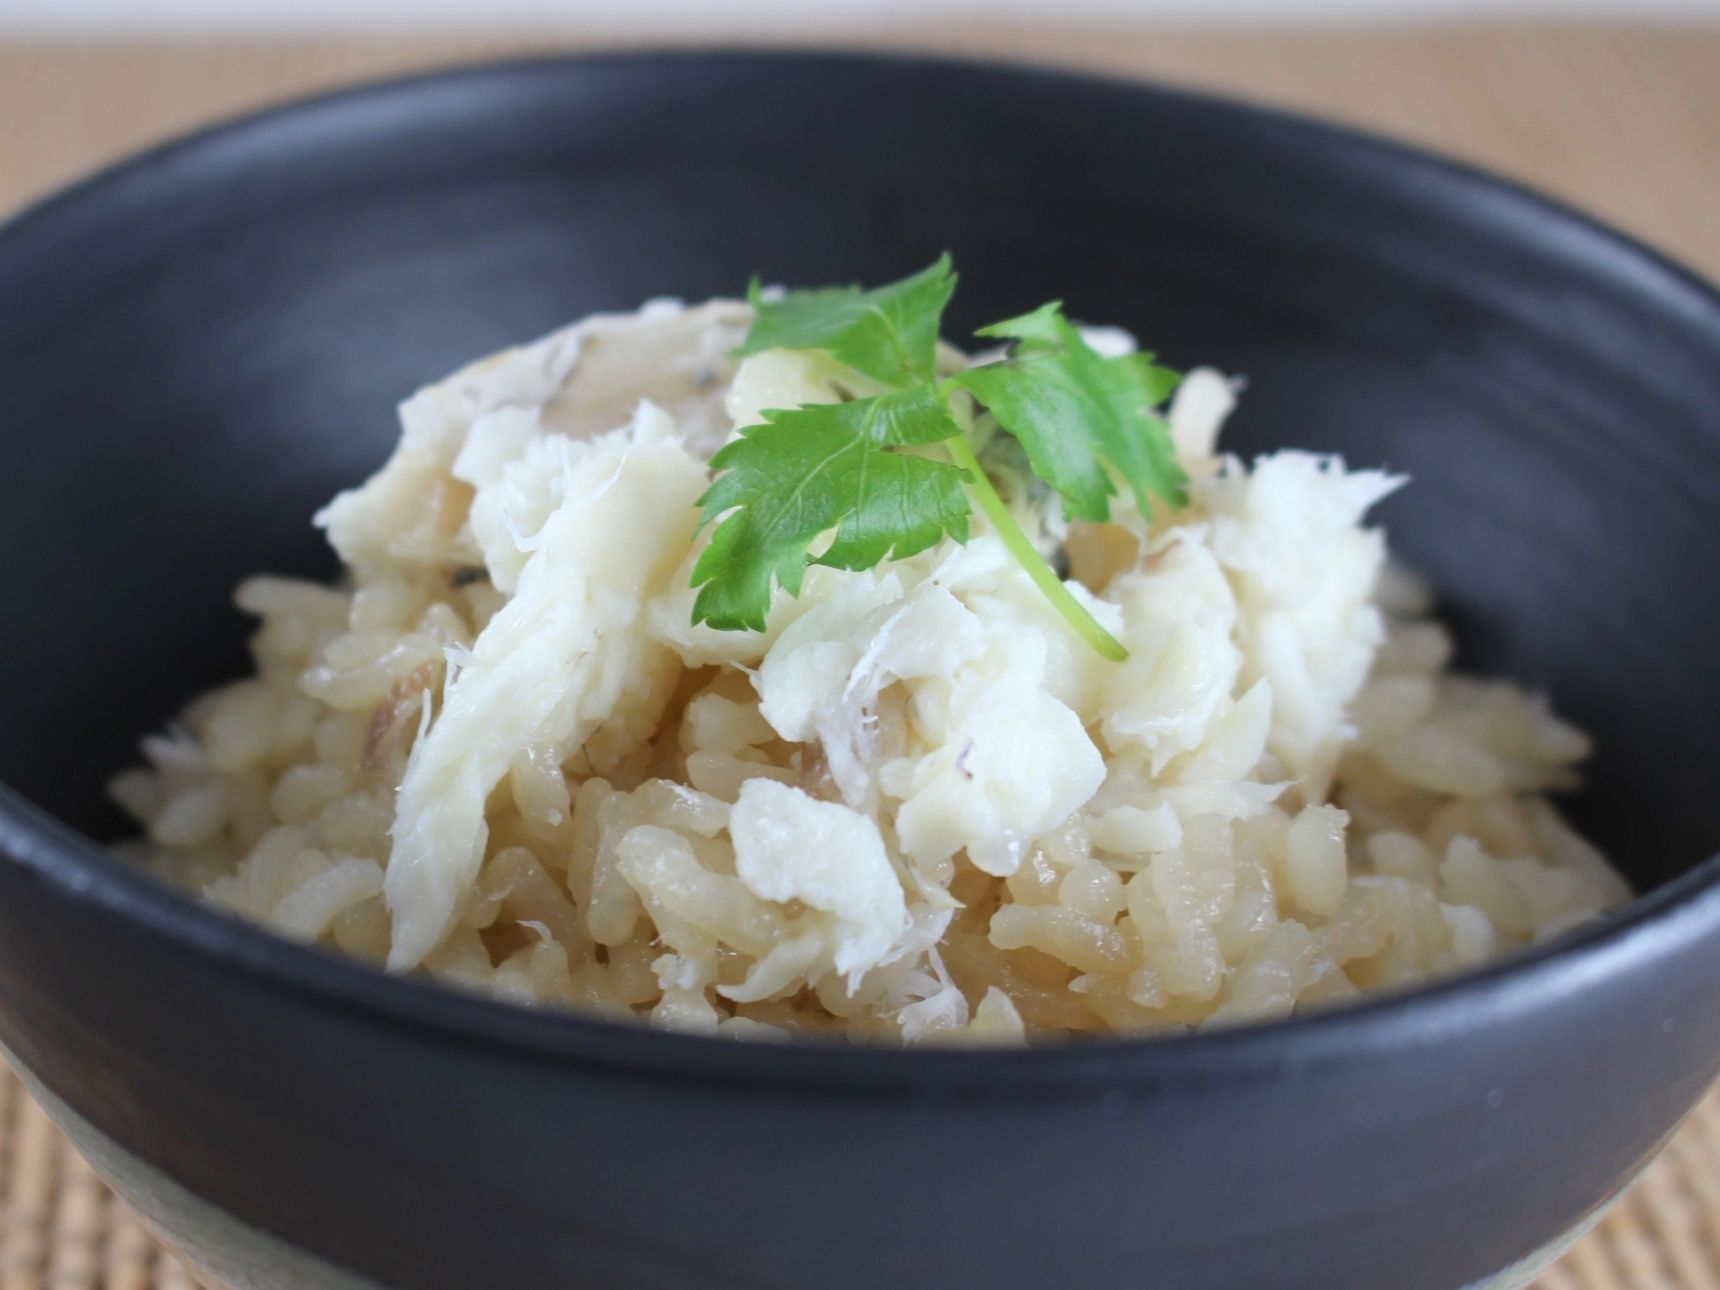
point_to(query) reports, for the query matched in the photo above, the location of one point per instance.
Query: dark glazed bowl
(200, 346)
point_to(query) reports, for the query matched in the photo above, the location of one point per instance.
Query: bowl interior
(198, 350)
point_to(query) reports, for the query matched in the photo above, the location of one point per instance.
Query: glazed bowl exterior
(199, 346)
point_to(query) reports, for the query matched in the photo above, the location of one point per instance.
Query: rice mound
(916, 808)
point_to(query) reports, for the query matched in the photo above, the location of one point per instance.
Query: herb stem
(1018, 545)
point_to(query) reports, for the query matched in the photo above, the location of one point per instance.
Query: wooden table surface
(1623, 120)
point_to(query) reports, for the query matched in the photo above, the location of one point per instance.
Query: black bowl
(198, 347)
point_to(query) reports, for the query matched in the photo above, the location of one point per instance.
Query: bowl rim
(75, 869)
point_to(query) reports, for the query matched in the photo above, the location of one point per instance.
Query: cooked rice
(916, 808)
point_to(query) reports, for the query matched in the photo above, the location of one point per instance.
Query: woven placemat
(1622, 120)
(61, 1229)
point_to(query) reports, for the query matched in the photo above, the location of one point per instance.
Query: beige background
(1624, 121)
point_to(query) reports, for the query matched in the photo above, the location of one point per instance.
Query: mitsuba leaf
(808, 470)
(1079, 415)
(889, 333)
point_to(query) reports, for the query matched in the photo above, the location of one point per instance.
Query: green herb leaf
(889, 333)
(1080, 415)
(820, 467)
(1080, 418)
(1041, 329)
